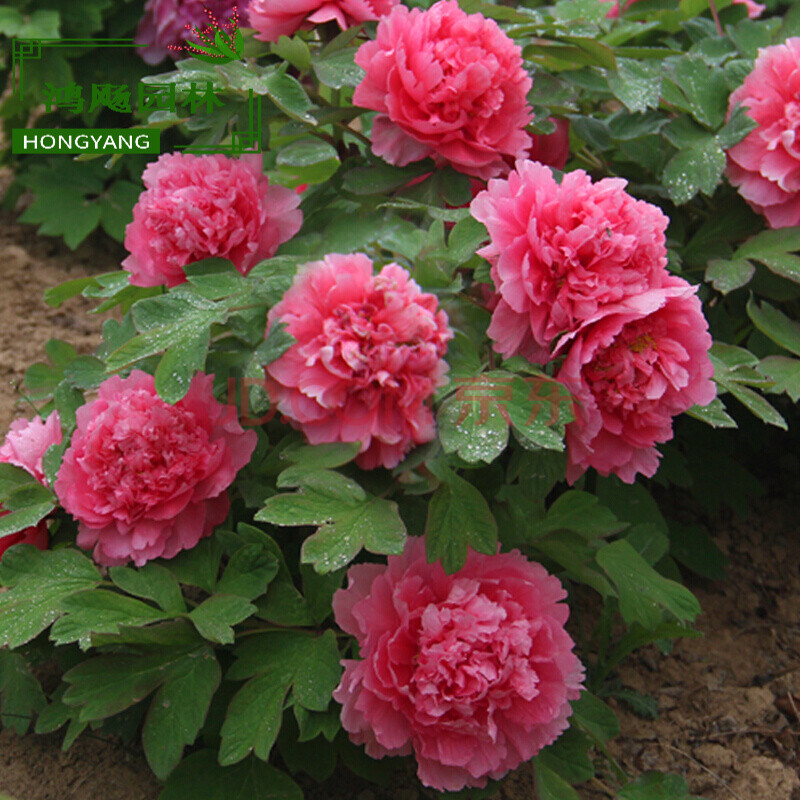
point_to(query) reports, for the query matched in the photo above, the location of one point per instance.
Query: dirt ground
(729, 703)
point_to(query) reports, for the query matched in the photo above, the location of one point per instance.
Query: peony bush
(409, 389)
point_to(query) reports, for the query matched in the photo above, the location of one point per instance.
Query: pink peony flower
(472, 672)
(446, 84)
(631, 371)
(369, 352)
(195, 207)
(754, 10)
(25, 445)
(37, 535)
(165, 23)
(28, 440)
(765, 165)
(560, 253)
(146, 479)
(275, 18)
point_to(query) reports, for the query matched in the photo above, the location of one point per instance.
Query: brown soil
(729, 703)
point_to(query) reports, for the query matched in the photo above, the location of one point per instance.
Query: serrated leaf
(178, 712)
(713, 414)
(152, 582)
(107, 685)
(695, 549)
(725, 276)
(550, 785)
(785, 372)
(374, 525)
(695, 169)
(290, 97)
(39, 581)
(458, 517)
(199, 775)
(775, 325)
(215, 617)
(636, 83)
(642, 591)
(180, 363)
(21, 695)
(339, 69)
(276, 663)
(593, 716)
(100, 611)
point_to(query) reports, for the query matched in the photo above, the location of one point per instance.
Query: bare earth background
(729, 703)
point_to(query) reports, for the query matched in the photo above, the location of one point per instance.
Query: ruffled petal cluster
(631, 372)
(28, 440)
(765, 165)
(25, 445)
(171, 23)
(369, 352)
(579, 270)
(275, 18)
(196, 207)
(446, 84)
(473, 673)
(560, 252)
(146, 479)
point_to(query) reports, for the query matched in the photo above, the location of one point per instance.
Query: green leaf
(636, 83)
(199, 776)
(785, 372)
(338, 69)
(775, 325)
(21, 695)
(702, 89)
(309, 663)
(322, 456)
(727, 275)
(695, 169)
(290, 97)
(713, 414)
(775, 250)
(550, 785)
(39, 581)
(249, 572)
(253, 719)
(100, 611)
(656, 786)
(178, 711)
(568, 757)
(310, 160)
(107, 685)
(458, 517)
(374, 525)
(580, 512)
(593, 716)
(293, 50)
(380, 178)
(277, 342)
(179, 364)
(276, 662)
(475, 429)
(695, 549)
(152, 582)
(215, 617)
(642, 591)
(198, 566)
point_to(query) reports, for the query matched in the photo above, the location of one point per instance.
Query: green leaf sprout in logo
(218, 43)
